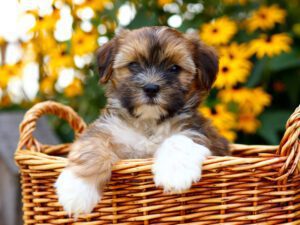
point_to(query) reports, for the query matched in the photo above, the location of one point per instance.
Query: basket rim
(42, 161)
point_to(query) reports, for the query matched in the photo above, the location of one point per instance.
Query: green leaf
(257, 73)
(285, 61)
(272, 122)
(143, 18)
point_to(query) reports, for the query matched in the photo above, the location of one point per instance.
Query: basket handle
(290, 145)
(29, 122)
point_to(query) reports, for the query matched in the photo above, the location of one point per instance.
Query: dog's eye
(174, 69)
(133, 65)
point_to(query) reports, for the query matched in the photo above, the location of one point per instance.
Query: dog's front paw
(178, 163)
(77, 195)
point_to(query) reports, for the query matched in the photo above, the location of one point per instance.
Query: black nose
(151, 89)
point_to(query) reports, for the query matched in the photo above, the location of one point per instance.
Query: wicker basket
(257, 185)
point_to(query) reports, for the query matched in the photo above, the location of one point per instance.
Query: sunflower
(47, 22)
(74, 89)
(230, 135)
(247, 123)
(233, 95)
(83, 42)
(2, 41)
(265, 18)
(44, 42)
(235, 51)
(47, 85)
(256, 101)
(232, 71)
(222, 119)
(59, 57)
(95, 4)
(271, 45)
(249, 100)
(7, 72)
(219, 31)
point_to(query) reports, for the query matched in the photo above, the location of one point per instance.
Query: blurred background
(47, 53)
(47, 47)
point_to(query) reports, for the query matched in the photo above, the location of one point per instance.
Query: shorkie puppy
(156, 78)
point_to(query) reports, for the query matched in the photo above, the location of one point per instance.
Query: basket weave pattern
(256, 185)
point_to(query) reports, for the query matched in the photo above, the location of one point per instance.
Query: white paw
(178, 163)
(75, 194)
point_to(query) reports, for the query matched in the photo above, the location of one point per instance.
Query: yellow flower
(233, 95)
(83, 43)
(256, 101)
(265, 18)
(7, 72)
(47, 85)
(74, 89)
(271, 45)
(69, 2)
(47, 22)
(232, 71)
(228, 134)
(235, 51)
(44, 42)
(59, 57)
(5, 101)
(221, 118)
(249, 100)
(29, 52)
(247, 122)
(164, 2)
(2, 41)
(219, 31)
(95, 4)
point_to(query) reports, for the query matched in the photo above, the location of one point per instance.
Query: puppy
(156, 78)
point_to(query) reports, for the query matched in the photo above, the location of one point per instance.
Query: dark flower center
(213, 111)
(268, 39)
(225, 69)
(262, 15)
(215, 30)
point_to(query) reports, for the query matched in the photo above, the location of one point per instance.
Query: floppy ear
(206, 61)
(105, 56)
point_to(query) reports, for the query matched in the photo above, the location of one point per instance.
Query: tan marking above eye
(181, 57)
(121, 73)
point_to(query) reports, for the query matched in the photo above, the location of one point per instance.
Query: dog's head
(156, 72)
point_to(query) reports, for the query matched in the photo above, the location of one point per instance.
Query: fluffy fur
(178, 163)
(78, 195)
(135, 124)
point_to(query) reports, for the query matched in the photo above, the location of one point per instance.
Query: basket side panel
(223, 196)
(27, 197)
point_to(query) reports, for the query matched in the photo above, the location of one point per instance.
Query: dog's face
(156, 71)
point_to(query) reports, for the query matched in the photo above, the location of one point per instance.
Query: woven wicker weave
(257, 185)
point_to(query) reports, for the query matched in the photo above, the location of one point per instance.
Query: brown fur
(155, 49)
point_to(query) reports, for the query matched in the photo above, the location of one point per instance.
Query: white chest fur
(135, 139)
